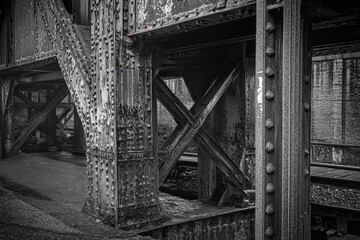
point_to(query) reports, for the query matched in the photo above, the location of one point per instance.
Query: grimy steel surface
(282, 121)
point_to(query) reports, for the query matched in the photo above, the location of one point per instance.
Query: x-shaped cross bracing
(190, 127)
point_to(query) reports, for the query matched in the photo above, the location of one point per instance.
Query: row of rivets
(269, 124)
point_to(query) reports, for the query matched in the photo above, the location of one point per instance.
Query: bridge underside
(247, 66)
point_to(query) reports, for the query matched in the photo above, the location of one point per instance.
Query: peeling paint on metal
(152, 14)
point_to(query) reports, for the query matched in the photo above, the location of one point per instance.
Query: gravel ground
(335, 196)
(11, 231)
(29, 217)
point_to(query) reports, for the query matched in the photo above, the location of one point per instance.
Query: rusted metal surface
(152, 14)
(196, 220)
(227, 124)
(115, 100)
(248, 162)
(341, 155)
(27, 40)
(79, 135)
(24, 29)
(2, 106)
(125, 183)
(4, 38)
(283, 121)
(7, 88)
(170, 17)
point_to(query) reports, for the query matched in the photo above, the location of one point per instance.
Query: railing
(345, 156)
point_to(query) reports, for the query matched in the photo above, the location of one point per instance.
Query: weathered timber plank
(188, 132)
(20, 95)
(204, 140)
(37, 119)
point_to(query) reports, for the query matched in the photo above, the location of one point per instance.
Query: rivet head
(269, 72)
(270, 169)
(269, 209)
(269, 232)
(306, 152)
(307, 79)
(269, 95)
(270, 51)
(306, 172)
(306, 107)
(269, 27)
(270, 188)
(269, 124)
(269, 147)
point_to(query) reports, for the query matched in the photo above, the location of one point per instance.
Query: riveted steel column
(122, 168)
(268, 120)
(282, 121)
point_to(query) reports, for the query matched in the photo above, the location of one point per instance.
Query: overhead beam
(37, 119)
(32, 86)
(24, 105)
(42, 77)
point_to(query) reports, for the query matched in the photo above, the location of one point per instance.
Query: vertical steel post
(2, 122)
(283, 65)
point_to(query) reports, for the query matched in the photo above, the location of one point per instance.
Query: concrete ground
(42, 198)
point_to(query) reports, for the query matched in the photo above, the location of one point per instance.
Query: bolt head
(270, 51)
(270, 188)
(269, 147)
(269, 232)
(269, 27)
(270, 169)
(269, 209)
(269, 124)
(269, 72)
(269, 95)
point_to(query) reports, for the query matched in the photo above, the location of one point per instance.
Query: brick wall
(336, 101)
(335, 107)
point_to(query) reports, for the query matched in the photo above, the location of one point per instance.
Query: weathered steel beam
(37, 77)
(186, 17)
(202, 138)
(20, 95)
(65, 113)
(62, 126)
(283, 66)
(2, 120)
(37, 119)
(206, 104)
